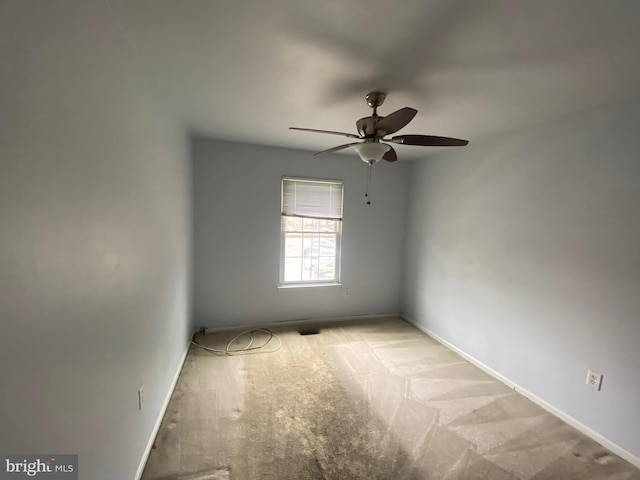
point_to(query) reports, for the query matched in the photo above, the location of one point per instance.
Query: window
(311, 231)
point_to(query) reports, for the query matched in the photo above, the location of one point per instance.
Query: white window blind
(312, 198)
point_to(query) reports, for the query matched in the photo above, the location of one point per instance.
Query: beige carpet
(362, 400)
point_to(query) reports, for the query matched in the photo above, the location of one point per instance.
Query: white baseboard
(605, 442)
(163, 410)
(293, 323)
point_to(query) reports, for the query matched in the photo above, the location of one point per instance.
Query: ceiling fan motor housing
(366, 127)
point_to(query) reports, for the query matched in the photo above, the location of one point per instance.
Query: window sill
(289, 286)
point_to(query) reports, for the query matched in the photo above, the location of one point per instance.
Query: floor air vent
(309, 331)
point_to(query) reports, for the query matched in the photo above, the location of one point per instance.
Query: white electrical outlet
(141, 396)
(346, 292)
(594, 379)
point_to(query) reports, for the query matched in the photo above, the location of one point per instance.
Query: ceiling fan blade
(395, 121)
(335, 149)
(391, 155)
(429, 141)
(350, 135)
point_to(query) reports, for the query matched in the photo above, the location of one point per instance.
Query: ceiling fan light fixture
(371, 152)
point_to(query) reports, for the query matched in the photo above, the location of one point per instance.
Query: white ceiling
(246, 70)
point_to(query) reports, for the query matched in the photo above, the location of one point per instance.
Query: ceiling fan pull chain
(368, 192)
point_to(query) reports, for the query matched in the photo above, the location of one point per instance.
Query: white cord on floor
(249, 349)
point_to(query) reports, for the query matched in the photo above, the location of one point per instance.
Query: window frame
(338, 237)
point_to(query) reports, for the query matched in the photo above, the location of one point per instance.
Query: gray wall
(237, 235)
(95, 240)
(523, 252)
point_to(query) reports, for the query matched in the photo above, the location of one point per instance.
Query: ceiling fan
(372, 131)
